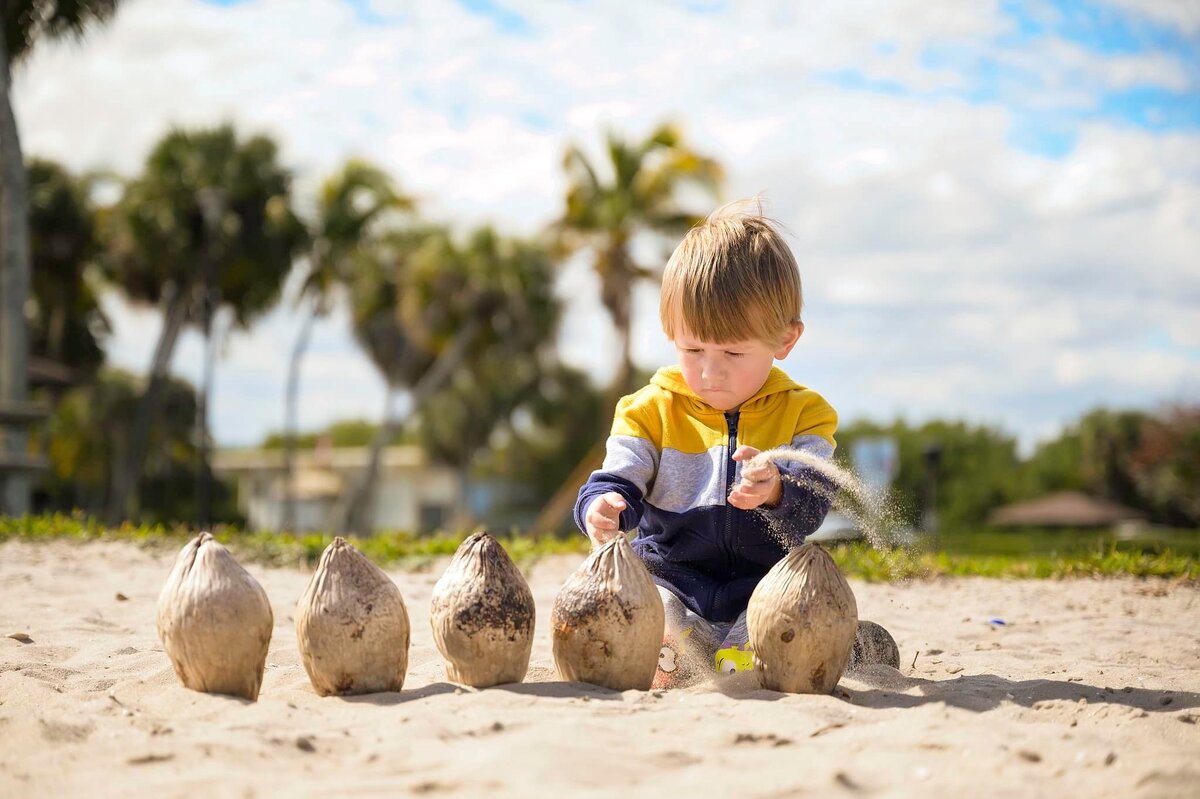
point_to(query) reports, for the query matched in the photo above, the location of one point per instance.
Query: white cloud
(1180, 14)
(945, 272)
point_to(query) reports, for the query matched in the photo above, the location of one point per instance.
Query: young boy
(708, 528)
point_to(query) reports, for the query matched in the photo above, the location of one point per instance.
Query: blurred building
(410, 494)
(1065, 509)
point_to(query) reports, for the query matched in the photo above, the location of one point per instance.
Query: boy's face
(727, 374)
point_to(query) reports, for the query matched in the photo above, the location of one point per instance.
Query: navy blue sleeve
(806, 499)
(602, 482)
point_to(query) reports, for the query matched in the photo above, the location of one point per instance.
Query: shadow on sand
(872, 686)
(550, 690)
(887, 687)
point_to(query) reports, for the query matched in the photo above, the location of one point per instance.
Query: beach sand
(1089, 688)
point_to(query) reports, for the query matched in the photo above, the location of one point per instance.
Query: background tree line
(458, 321)
(461, 325)
(461, 322)
(1145, 460)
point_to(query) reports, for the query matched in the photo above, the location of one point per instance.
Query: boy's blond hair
(732, 278)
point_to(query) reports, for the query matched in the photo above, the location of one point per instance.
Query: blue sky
(995, 205)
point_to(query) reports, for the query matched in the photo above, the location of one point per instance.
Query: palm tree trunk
(559, 506)
(14, 285)
(349, 513)
(203, 472)
(129, 473)
(289, 415)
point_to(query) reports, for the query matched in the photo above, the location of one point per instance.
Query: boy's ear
(795, 331)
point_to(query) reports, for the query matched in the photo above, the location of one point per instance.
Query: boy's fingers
(744, 502)
(614, 500)
(744, 453)
(756, 476)
(598, 536)
(599, 520)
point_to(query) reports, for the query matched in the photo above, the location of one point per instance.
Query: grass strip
(408, 550)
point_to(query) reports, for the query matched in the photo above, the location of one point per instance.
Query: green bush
(1104, 556)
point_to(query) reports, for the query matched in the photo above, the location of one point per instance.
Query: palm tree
(25, 23)
(66, 319)
(426, 307)
(637, 195)
(89, 431)
(208, 225)
(349, 205)
(507, 369)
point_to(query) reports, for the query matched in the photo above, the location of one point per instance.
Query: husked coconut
(608, 621)
(214, 621)
(352, 626)
(801, 619)
(873, 645)
(482, 615)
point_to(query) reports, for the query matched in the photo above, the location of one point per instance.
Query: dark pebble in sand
(1166, 700)
(121, 597)
(22, 637)
(1110, 758)
(1032, 757)
(304, 744)
(843, 779)
(144, 759)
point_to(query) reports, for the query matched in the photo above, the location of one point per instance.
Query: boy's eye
(735, 354)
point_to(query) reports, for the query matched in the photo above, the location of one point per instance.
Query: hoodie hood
(671, 379)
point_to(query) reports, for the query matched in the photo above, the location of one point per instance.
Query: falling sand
(873, 512)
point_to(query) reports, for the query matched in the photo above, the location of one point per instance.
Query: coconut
(482, 615)
(214, 621)
(874, 644)
(801, 619)
(352, 626)
(608, 621)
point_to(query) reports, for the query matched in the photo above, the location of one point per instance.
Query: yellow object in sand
(733, 659)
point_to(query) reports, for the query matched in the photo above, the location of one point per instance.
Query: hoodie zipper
(731, 420)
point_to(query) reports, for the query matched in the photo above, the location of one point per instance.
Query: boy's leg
(734, 653)
(688, 643)
(872, 644)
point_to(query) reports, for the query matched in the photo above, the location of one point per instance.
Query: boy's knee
(734, 657)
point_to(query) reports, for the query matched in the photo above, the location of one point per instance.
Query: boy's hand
(603, 518)
(760, 483)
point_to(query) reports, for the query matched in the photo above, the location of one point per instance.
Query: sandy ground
(1091, 688)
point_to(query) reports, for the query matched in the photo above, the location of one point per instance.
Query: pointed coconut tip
(204, 537)
(620, 541)
(480, 538)
(337, 547)
(482, 548)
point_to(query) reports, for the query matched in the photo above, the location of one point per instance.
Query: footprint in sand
(64, 732)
